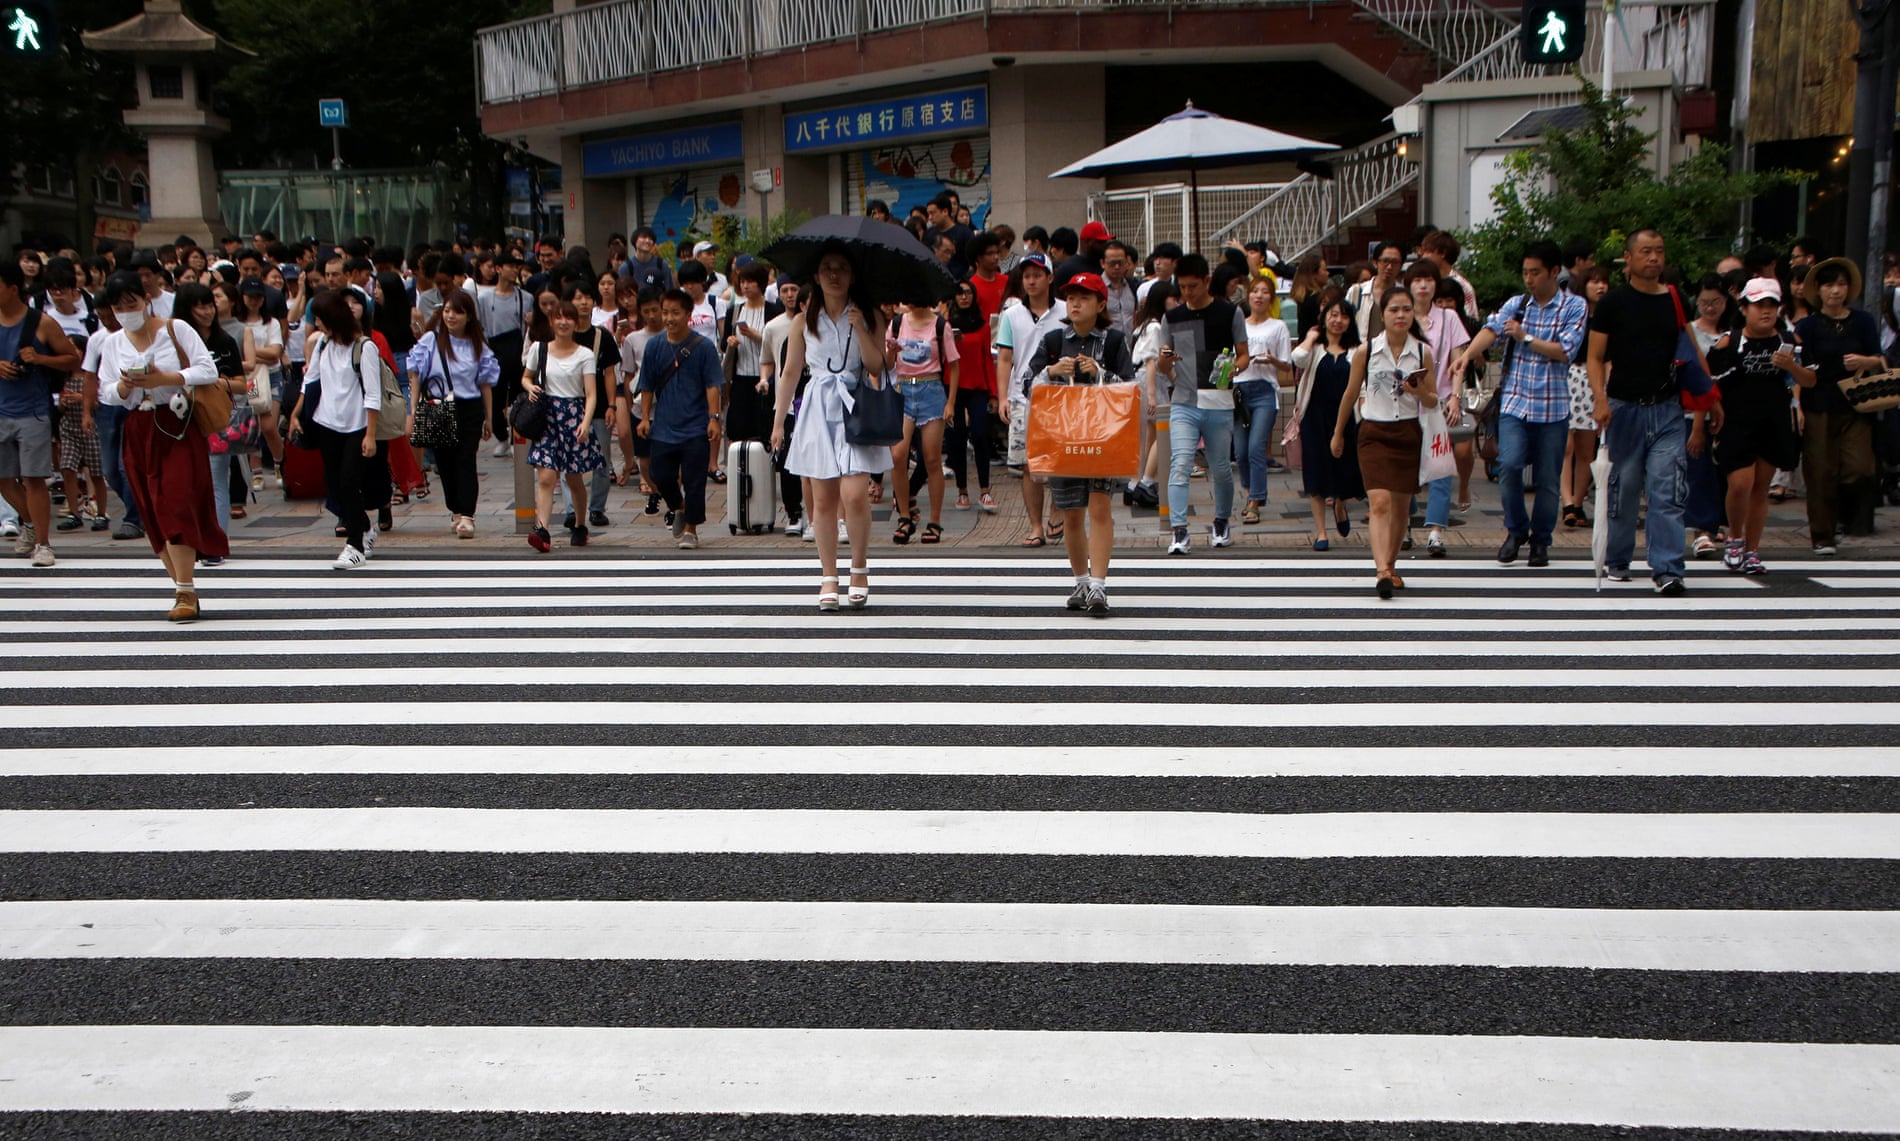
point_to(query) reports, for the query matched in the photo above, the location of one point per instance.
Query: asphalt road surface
(649, 847)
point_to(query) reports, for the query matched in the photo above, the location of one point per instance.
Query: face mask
(132, 322)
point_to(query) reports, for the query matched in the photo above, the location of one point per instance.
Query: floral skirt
(558, 449)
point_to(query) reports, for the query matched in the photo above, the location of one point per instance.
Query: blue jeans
(1438, 501)
(1188, 425)
(1262, 398)
(1541, 446)
(1648, 452)
(1705, 506)
(109, 425)
(221, 486)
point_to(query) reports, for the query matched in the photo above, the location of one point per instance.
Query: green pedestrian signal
(28, 30)
(1552, 31)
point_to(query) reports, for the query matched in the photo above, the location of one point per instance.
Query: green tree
(403, 66)
(1595, 184)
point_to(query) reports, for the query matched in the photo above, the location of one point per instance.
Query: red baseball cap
(1096, 232)
(1090, 281)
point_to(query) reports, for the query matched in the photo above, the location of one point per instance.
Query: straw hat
(1811, 286)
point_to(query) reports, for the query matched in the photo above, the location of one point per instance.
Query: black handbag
(876, 416)
(528, 417)
(435, 415)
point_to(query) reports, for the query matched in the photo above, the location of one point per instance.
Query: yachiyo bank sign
(662, 150)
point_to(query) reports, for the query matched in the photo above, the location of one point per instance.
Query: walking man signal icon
(26, 31)
(1554, 32)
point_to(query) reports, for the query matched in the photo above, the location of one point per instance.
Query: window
(108, 189)
(166, 80)
(39, 179)
(137, 183)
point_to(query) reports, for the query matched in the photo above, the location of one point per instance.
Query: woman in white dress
(836, 343)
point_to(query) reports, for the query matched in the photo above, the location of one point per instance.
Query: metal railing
(1672, 35)
(1145, 216)
(1304, 214)
(1453, 30)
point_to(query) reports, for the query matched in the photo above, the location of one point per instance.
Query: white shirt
(750, 350)
(631, 350)
(1021, 334)
(706, 318)
(1269, 337)
(564, 376)
(117, 354)
(344, 395)
(772, 340)
(1383, 397)
(160, 306)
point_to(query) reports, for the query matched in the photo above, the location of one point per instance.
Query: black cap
(145, 259)
(252, 286)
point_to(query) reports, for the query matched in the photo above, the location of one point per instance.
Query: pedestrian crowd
(174, 383)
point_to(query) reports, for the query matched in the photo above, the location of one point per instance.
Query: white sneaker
(844, 536)
(350, 559)
(9, 529)
(1179, 544)
(24, 544)
(793, 528)
(42, 555)
(369, 541)
(503, 450)
(808, 533)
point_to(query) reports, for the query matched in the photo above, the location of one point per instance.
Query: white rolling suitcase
(751, 488)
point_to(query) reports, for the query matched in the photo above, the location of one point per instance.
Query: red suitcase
(303, 473)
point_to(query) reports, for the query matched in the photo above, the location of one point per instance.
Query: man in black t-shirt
(1632, 366)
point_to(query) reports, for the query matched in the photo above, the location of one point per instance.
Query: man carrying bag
(1084, 431)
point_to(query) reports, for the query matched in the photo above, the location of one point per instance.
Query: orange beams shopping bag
(1088, 431)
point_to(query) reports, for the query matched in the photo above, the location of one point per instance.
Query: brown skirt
(1388, 454)
(170, 480)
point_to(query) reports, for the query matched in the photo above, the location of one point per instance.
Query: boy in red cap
(1085, 350)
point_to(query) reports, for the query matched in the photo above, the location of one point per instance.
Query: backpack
(943, 363)
(387, 427)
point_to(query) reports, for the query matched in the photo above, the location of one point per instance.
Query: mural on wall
(683, 204)
(904, 175)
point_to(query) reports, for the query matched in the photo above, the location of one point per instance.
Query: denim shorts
(923, 399)
(1071, 493)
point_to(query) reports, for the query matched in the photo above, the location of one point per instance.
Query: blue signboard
(332, 113)
(663, 150)
(906, 117)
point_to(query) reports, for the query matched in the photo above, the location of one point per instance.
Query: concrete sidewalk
(275, 524)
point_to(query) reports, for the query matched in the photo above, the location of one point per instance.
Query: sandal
(1055, 531)
(718, 476)
(877, 491)
(828, 593)
(856, 595)
(1573, 515)
(1250, 514)
(906, 527)
(1034, 541)
(422, 492)
(933, 533)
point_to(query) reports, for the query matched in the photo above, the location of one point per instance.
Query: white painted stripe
(1599, 939)
(1790, 835)
(402, 680)
(963, 714)
(736, 559)
(1416, 623)
(1296, 1077)
(1624, 601)
(1887, 582)
(896, 578)
(872, 760)
(1432, 645)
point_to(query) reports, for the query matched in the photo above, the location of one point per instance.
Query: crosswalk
(610, 847)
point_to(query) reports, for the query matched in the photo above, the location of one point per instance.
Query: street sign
(1552, 31)
(332, 113)
(28, 30)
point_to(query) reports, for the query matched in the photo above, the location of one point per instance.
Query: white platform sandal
(857, 596)
(828, 594)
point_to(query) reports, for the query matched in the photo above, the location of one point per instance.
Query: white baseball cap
(1761, 289)
(702, 247)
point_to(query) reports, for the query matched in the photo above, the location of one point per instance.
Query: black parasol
(891, 265)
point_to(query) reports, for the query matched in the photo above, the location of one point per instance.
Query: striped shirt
(1536, 389)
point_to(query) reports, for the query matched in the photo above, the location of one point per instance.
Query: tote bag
(1090, 431)
(876, 416)
(1435, 460)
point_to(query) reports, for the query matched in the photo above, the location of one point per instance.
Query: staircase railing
(1304, 214)
(1452, 30)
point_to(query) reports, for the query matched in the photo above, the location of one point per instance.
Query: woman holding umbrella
(836, 343)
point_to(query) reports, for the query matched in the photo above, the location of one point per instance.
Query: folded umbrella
(1600, 525)
(891, 265)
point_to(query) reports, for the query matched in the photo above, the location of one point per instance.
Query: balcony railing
(626, 39)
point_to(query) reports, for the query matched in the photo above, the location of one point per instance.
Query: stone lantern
(171, 55)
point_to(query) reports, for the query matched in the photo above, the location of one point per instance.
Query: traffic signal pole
(1870, 162)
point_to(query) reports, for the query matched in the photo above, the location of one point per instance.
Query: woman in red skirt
(146, 367)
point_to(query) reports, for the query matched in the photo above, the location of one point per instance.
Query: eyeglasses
(1391, 261)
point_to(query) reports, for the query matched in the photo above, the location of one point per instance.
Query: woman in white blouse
(561, 372)
(349, 401)
(266, 347)
(1391, 381)
(147, 367)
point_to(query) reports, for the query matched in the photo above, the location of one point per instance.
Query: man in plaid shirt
(1545, 328)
